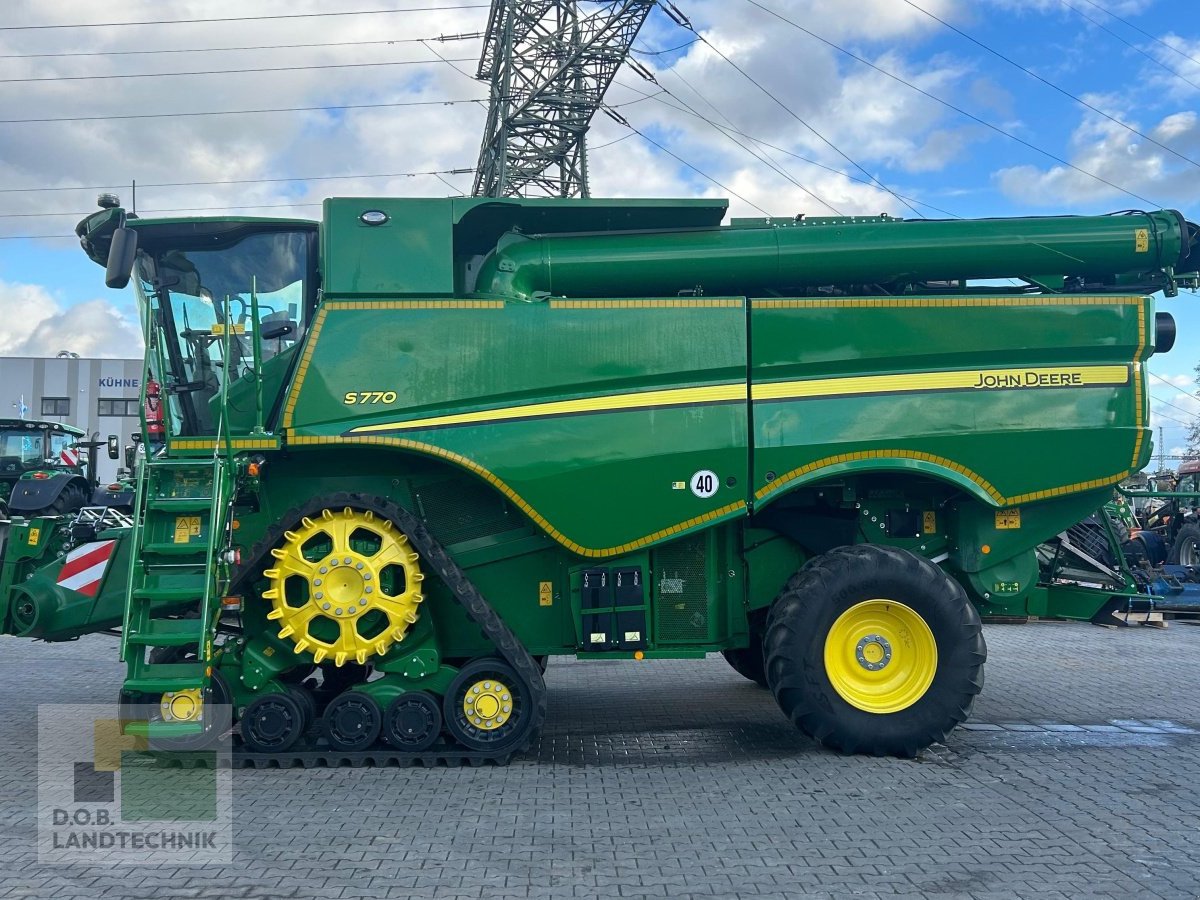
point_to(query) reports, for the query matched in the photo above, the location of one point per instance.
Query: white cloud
(1117, 7)
(32, 323)
(1114, 155)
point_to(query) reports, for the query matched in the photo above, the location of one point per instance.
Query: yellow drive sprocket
(345, 586)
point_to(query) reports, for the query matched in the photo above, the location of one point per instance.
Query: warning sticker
(35, 535)
(186, 528)
(929, 522)
(1008, 518)
(546, 593)
(1141, 240)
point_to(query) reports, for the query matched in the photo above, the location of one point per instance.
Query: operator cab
(199, 283)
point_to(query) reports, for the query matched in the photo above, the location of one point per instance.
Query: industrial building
(97, 395)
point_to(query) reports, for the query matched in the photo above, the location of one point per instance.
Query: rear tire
(748, 661)
(70, 500)
(874, 650)
(1185, 551)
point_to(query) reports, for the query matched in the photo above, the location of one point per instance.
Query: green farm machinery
(46, 468)
(412, 450)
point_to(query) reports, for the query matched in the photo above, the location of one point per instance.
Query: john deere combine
(417, 447)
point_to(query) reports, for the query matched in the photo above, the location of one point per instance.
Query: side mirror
(278, 329)
(114, 447)
(130, 450)
(121, 253)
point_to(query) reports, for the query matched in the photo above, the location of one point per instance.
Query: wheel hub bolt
(873, 652)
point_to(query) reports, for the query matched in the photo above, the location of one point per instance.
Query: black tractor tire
(748, 661)
(70, 500)
(1185, 549)
(799, 628)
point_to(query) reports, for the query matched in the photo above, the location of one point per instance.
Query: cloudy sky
(855, 94)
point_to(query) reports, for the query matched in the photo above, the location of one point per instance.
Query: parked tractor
(46, 468)
(410, 451)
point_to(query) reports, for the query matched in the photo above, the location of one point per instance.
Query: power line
(1141, 32)
(1172, 405)
(241, 112)
(1162, 415)
(431, 172)
(321, 15)
(957, 109)
(1132, 46)
(162, 184)
(764, 159)
(684, 22)
(404, 62)
(644, 52)
(1175, 388)
(239, 181)
(804, 159)
(621, 120)
(1053, 86)
(444, 38)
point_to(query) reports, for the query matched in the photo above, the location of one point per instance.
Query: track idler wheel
(272, 723)
(352, 721)
(487, 706)
(413, 721)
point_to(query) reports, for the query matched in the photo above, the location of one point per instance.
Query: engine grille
(681, 598)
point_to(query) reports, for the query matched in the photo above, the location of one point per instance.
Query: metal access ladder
(176, 578)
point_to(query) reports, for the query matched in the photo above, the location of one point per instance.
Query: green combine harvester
(412, 450)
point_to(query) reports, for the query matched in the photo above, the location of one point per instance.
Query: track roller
(413, 721)
(272, 723)
(352, 721)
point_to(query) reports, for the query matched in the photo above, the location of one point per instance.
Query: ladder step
(163, 729)
(162, 677)
(168, 633)
(198, 548)
(172, 594)
(179, 504)
(199, 464)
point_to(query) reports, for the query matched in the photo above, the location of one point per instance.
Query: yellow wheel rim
(345, 586)
(880, 656)
(488, 704)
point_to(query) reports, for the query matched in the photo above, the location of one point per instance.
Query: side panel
(1015, 399)
(593, 417)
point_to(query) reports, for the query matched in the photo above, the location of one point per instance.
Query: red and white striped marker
(69, 456)
(84, 567)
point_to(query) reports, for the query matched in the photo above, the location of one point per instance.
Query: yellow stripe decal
(235, 444)
(893, 454)
(942, 302)
(671, 303)
(302, 368)
(975, 379)
(469, 464)
(323, 312)
(1138, 399)
(721, 393)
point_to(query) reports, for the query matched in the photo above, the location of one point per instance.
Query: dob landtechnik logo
(107, 798)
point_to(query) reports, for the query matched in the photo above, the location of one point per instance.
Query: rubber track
(478, 610)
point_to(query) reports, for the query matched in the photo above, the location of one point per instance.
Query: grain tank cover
(396, 247)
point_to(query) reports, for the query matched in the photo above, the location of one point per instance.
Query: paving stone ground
(1079, 777)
